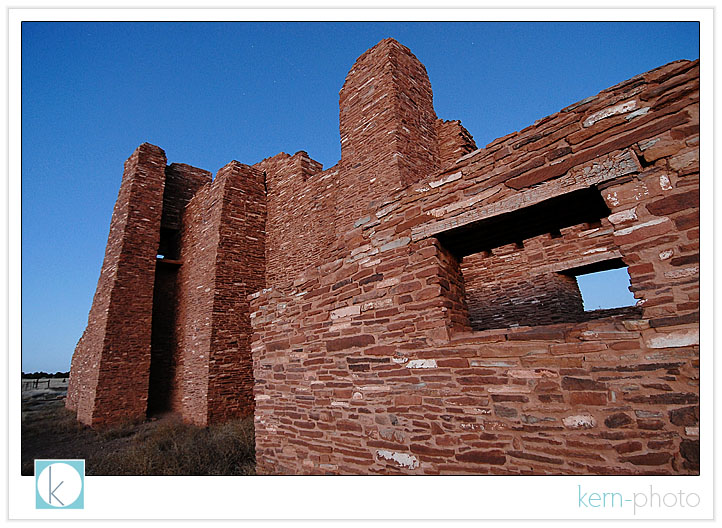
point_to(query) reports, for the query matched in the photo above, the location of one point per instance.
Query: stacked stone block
(299, 198)
(388, 128)
(182, 182)
(239, 271)
(454, 141)
(534, 284)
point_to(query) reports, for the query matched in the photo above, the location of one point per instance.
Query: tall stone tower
(387, 124)
(169, 327)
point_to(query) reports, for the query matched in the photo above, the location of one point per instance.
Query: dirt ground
(161, 446)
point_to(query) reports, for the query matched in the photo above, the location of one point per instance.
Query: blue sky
(208, 93)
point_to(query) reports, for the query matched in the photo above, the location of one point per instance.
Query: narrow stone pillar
(223, 255)
(110, 366)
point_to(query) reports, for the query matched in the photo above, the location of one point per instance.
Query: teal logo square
(59, 484)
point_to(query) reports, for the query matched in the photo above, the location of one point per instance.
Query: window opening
(603, 290)
(517, 266)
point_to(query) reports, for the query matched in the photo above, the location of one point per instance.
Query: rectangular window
(606, 293)
(540, 264)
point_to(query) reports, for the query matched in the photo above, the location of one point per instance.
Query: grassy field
(163, 446)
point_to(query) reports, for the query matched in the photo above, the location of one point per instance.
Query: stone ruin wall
(366, 362)
(172, 334)
(413, 309)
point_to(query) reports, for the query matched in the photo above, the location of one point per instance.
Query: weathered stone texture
(534, 283)
(181, 321)
(223, 258)
(382, 376)
(109, 372)
(300, 200)
(413, 309)
(454, 141)
(240, 264)
(388, 128)
(182, 182)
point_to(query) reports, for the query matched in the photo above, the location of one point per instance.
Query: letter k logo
(51, 491)
(59, 484)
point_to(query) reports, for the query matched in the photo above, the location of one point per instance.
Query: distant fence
(39, 383)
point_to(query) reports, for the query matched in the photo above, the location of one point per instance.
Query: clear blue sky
(208, 93)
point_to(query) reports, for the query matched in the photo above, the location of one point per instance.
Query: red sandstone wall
(387, 123)
(363, 357)
(389, 137)
(195, 280)
(109, 372)
(173, 333)
(454, 141)
(300, 200)
(223, 259)
(522, 286)
(355, 374)
(182, 182)
(240, 264)
(525, 301)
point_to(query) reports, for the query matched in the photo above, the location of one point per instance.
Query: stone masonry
(169, 329)
(414, 309)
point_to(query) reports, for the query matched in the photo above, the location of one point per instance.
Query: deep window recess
(585, 206)
(520, 268)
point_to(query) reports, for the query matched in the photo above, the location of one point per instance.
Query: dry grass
(174, 448)
(161, 447)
